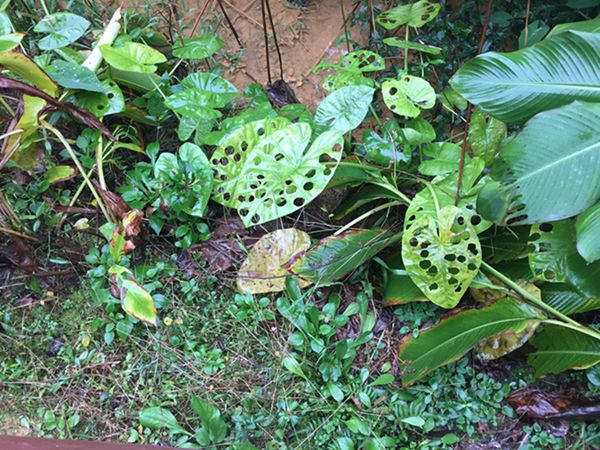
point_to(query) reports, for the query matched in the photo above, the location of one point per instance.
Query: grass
(73, 368)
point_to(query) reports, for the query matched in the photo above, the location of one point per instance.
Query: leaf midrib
(558, 161)
(470, 330)
(568, 352)
(590, 87)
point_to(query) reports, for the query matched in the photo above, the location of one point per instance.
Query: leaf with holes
(266, 169)
(456, 334)
(408, 95)
(346, 77)
(442, 255)
(62, 29)
(414, 14)
(335, 256)
(363, 61)
(555, 258)
(560, 348)
(198, 48)
(401, 43)
(132, 57)
(587, 227)
(103, 104)
(262, 270)
(344, 109)
(515, 86)
(554, 164)
(486, 135)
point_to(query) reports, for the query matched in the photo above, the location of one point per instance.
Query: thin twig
(16, 233)
(275, 39)
(345, 27)
(264, 24)
(233, 30)
(463, 149)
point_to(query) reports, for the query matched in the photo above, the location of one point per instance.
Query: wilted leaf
(137, 302)
(399, 288)
(442, 255)
(537, 404)
(25, 68)
(262, 270)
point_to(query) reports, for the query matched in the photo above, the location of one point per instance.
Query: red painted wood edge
(26, 443)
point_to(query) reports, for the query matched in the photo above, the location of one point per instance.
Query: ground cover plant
(412, 263)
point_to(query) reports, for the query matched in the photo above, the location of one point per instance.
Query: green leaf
(219, 90)
(567, 299)
(515, 86)
(137, 302)
(132, 57)
(442, 255)
(363, 61)
(73, 76)
(445, 157)
(408, 95)
(291, 364)
(193, 103)
(58, 174)
(198, 48)
(62, 29)
(587, 26)
(486, 135)
(266, 169)
(493, 201)
(111, 101)
(536, 31)
(335, 256)
(404, 44)
(10, 41)
(344, 109)
(383, 380)
(157, 418)
(213, 424)
(554, 164)
(560, 348)
(555, 258)
(141, 82)
(399, 288)
(587, 228)
(261, 271)
(24, 67)
(457, 334)
(345, 77)
(414, 14)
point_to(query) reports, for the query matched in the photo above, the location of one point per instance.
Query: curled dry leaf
(261, 272)
(538, 404)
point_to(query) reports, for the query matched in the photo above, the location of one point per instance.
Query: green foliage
(587, 228)
(198, 48)
(414, 15)
(408, 95)
(133, 57)
(344, 109)
(61, 29)
(515, 86)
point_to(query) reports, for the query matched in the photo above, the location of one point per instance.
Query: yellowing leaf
(60, 173)
(137, 302)
(261, 271)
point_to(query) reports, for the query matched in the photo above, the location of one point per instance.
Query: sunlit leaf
(486, 135)
(157, 418)
(133, 57)
(408, 95)
(58, 174)
(414, 14)
(25, 68)
(262, 270)
(137, 301)
(10, 41)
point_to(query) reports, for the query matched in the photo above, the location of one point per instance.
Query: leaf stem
(406, 49)
(69, 149)
(395, 191)
(367, 214)
(566, 320)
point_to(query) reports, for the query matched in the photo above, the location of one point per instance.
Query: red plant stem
(264, 24)
(463, 149)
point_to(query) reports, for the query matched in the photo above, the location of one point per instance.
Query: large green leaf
(132, 57)
(408, 95)
(62, 29)
(554, 164)
(457, 334)
(344, 109)
(335, 256)
(398, 288)
(262, 270)
(220, 90)
(567, 299)
(74, 76)
(442, 255)
(555, 258)
(266, 169)
(560, 348)
(587, 227)
(24, 67)
(198, 48)
(588, 26)
(414, 14)
(157, 418)
(515, 86)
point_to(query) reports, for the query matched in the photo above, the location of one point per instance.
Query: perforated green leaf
(415, 15)
(486, 135)
(344, 109)
(408, 95)
(198, 48)
(554, 164)
(555, 258)
(588, 233)
(62, 29)
(363, 61)
(515, 86)
(346, 77)
(266, 169)
(442, 255)
(103, 104)
(133, 57)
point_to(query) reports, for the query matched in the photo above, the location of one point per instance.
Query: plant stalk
(365, 215)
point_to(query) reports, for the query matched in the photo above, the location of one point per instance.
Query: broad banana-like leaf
(588, 233)
(457, 334)
(560, 348)
(554, 163)
(515, 86)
